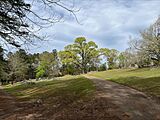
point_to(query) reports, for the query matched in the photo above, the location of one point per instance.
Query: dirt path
(136, 105)
(111, 102)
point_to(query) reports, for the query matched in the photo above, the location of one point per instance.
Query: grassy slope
(61, 98)
(146, 80)
(69, 87)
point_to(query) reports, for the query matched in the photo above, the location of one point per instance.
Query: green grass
(146, 79)
(70, 88)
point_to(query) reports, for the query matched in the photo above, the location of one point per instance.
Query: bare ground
(134, 104)
(110, 102)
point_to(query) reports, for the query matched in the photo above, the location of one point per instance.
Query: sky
(109, 23)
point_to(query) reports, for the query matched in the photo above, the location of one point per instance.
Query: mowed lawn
(69, 88)
(146, 79)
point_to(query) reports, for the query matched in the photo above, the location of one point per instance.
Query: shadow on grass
(50, 97)
(76, 88)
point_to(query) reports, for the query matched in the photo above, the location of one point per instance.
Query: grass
(146, 79)
(68, 87)
(59, 97)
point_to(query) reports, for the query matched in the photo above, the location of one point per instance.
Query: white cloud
(107, 22)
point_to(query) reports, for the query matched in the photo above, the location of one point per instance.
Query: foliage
(48, 65)
(12, 20)
(40, 71)
(111, 56)
(81, 54)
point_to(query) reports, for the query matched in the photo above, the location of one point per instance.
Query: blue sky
(107, 22)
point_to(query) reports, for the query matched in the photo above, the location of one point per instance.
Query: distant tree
(95, 61)
(130, 58)
(69, 63)
(111, 56)
(55, 66)
(82, 52)
(33, 61)
(18, 66)
(41, 70)
(102, 67)
(121, 60)
(48, 65)
(148, 45)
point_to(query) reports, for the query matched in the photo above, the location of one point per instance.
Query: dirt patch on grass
(97, 108)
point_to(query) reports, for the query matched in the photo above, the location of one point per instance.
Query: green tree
(82, 53)
(69, 63)
(41, 70)
(111, 56)
(121, 60)
(48, 65)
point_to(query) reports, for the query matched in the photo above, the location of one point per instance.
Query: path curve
(135, 104)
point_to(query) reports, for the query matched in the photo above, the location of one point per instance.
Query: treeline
(80, 57)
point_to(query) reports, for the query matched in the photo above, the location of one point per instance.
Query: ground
(135, 104)
(77, 98)
(146, 80)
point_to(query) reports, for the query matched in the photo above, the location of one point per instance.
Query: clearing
(84, 98)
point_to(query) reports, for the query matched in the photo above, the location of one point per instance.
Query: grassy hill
(146, 79)
(74, 86)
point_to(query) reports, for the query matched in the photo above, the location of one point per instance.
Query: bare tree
(21, 21)
(149, 44)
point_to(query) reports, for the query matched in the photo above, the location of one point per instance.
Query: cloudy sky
(107, 22)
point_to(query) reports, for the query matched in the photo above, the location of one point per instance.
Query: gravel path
(136, 105)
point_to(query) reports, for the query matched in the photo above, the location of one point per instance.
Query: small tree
(48, 65)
